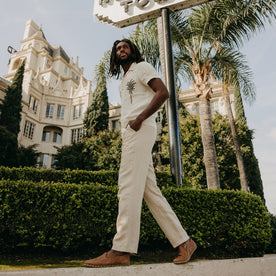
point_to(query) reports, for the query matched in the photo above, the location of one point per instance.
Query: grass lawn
(42, 260)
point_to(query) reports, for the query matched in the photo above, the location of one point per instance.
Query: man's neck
(126, 67)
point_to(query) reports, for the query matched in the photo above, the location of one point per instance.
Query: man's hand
(135, 124)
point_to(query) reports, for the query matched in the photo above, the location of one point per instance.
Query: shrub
(109, 178)
(99, 152)
(192, 154)
(73, 217)
(272, 247)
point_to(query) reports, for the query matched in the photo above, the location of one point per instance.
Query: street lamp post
(172, 110)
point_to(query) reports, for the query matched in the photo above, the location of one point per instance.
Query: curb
(265, 266)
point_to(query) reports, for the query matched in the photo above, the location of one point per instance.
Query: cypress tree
(238, 105)
(10, 116)
(11, 106)
(250, 161)
(8, 148)
(97, 114)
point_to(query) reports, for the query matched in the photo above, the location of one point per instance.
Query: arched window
(52, 134)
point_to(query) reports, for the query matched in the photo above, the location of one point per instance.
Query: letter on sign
(122, 13)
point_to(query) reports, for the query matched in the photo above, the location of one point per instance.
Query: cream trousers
(137, 181)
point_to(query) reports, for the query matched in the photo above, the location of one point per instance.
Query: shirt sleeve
(146, 72)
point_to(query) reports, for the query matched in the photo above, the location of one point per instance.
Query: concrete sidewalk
(265, 266)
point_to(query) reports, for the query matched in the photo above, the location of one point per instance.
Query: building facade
(55, 94)
(191, 102)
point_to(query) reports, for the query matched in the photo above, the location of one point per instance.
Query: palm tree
(205, 38)
(194, 57)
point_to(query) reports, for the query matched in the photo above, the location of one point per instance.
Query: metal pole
(172, 110)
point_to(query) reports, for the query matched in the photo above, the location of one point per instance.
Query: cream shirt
(135, 92)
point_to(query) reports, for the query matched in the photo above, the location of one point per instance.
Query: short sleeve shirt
(135, 92)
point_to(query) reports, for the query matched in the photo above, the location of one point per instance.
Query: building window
(60, 112)
(28, 130)
(75, 76)
(78, 112)
(214, 107)
(50, 110)
(48, 63)
(46, 136)
(52, 134)
(197, 108)
(76, 135)
(53, 161)
(57, 137)
(159, 117)
(33, 103)
(115, 125)
(43, 160)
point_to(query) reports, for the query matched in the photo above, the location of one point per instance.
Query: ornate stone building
(190, 101)
(55, 94)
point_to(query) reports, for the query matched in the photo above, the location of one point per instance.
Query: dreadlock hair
(114, 68)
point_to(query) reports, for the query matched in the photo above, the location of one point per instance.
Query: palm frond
(102, 68)
(231, 66)
(231, 22)
(146, 39)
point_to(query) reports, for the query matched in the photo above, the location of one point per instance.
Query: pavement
(263, 266)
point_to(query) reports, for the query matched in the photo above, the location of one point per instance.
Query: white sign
(122, 13)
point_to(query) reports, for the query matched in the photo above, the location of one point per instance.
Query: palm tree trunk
(243, 179)
(208, 141)
(203, 92)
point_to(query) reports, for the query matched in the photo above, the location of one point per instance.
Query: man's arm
(161, 95)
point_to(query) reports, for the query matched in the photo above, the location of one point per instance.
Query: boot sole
(100, 266)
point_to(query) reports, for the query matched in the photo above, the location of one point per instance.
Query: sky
(71, 24)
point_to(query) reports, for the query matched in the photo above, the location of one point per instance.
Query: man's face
(123, 53)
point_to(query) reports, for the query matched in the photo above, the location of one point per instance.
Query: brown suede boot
(185, 251)
(109, 259)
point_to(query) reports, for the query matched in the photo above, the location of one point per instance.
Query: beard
(129, 59)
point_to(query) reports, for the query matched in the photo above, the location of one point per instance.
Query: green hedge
(108, 178)
(272, 247)
(73, 217)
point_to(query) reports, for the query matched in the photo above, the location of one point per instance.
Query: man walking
(142, 94)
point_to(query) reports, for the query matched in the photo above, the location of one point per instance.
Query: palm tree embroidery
(130, 88)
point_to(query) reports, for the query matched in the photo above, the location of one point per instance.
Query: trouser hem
(182, 241)
(120, 249)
